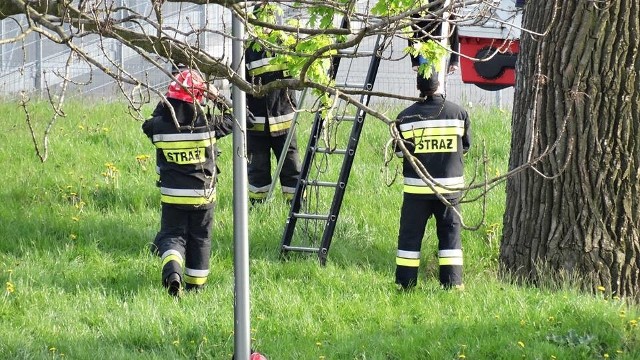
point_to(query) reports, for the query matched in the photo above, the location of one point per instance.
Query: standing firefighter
(273, 115)
(185, 157)
(436, 133)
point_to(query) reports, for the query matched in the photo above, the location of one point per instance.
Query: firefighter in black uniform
(185, 159)
(425, 28)
(437, 135)
(273, 116)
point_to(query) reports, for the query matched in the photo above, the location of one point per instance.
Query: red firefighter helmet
(188, 86)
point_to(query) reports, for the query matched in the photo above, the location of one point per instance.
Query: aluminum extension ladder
(318, 196)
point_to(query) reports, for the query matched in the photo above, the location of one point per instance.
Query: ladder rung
(311, 216)
(331, 151)
(300, 248)
(355, 52)
(321, 183)
(346, 118)
(351, 86)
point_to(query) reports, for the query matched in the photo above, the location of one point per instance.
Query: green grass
(79, 283)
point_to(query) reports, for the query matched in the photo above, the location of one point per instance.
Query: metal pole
(499, 99)
(119, 45)
(38, 78)
(2, 47)
(240, 201)
(444, 33)
(203, 37)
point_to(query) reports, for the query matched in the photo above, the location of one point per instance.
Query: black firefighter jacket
(437, 133)
(274, 112)
(186, 157)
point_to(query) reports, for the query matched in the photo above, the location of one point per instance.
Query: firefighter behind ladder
(427, 27)
(436, 133)
(186, 163)
(273, 116)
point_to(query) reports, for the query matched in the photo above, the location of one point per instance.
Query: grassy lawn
(79, 282)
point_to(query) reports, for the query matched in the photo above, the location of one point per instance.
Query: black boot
(173, 283)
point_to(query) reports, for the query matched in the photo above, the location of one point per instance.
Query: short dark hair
(428, 86)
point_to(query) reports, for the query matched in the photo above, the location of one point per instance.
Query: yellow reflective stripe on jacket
(258, 63)
(280, 126)
(276, 123)
(282, 118)
(407, 262)
(187, 201)
(187, 196)
(418, 186)
(261, 66)
(413, 133)
(424, 124)
(267, 69)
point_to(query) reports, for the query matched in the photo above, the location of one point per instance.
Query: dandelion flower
(521, 344)
(601, 288)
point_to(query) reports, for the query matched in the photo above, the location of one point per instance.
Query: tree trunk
(576, 211)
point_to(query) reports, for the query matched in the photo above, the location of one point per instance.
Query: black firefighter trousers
(184, 240)
(413, 220)
(259, 149)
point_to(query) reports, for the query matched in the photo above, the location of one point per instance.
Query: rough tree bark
(577, 87)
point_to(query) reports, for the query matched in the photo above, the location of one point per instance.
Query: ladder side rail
(309, 156)
(345, 171)
(285, 147)
(296, 203)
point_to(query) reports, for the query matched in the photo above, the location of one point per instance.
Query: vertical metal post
(38, 76)
(2, 47)
(119, 47)
(444, 33)
(240, 201)
(499, 99)
(203, 37)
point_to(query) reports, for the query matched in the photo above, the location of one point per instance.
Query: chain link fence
(35, 65)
